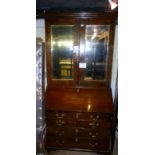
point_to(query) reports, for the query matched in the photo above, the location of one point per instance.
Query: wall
(115, 63)
(40, 28)
(40, 32)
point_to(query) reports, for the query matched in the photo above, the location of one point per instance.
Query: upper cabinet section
(79, 49)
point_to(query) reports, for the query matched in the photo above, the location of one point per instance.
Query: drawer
(78, 143)
(93, 133)
(61, 132)
(102, 145)
(71, 132)
(94, 116)
(60, 122)
(94, 124)
(57, 142)
(79, 116)
(60, 115)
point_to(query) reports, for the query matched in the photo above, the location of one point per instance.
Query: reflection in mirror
(96, 48)
(62, 50)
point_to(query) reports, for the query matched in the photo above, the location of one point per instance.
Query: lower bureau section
(79, 131)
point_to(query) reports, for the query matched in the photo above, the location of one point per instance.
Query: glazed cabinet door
(62, 40)
(79, 50)
(96, 40)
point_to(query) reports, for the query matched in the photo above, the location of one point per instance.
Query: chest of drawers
(82, 123)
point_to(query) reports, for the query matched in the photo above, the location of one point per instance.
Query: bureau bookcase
(78, 99)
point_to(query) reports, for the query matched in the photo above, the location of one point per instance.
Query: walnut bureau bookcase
(78, 99)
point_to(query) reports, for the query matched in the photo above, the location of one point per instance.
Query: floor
(115, 152)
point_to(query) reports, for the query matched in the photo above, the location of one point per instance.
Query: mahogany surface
(79, 113)
(79, 99)
(79, 118)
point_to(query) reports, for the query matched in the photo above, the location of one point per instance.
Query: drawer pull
(60, 122)
(94, 124)
(59, 115)
(60, 142)
(95, 144)
(94, 118)
(60, 133)
(93, 136)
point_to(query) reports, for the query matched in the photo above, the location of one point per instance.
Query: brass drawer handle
(95, 117)
(59, 115)
(60, 142)
(76, 140)
(60, 122)
(94, 124)
(93, 136)
(95, 144)
(60, 133)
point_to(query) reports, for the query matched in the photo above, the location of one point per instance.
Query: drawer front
(60, 122)
(57, 142)
(78, 143)
(94, 116)
(94, 124)
(93, 133)
(78, 132)
(60, 115)
(96, 145)
(61, 132)
(78, 115)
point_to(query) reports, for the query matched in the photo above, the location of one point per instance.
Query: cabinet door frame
(99, 21)
(54, 20)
